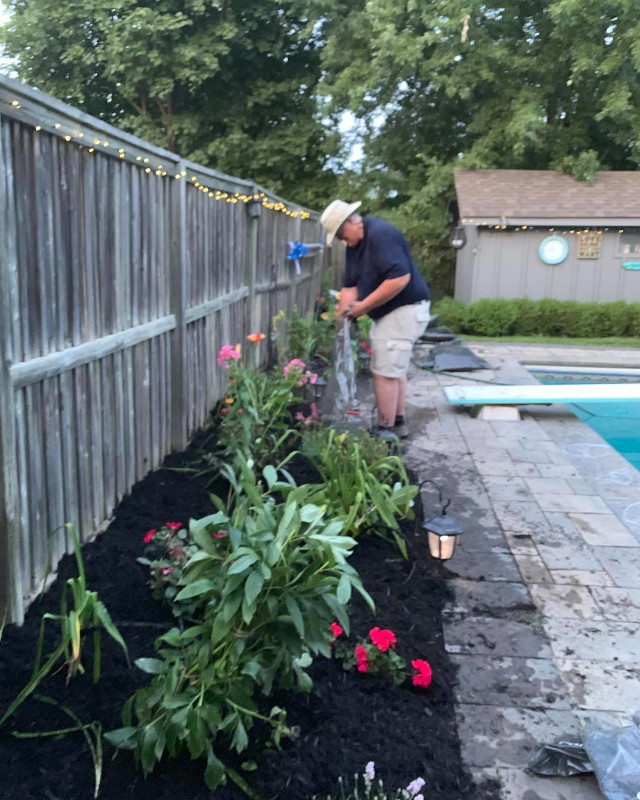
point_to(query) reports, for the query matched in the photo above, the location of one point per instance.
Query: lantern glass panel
(441, 546)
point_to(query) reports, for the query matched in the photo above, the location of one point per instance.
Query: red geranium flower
(383, 639)
(337, 630)
(173, 526)
(362, 659)
(220, 535)
(149, 536)
(423, 677)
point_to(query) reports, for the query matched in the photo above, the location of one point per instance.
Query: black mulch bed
(347, 720)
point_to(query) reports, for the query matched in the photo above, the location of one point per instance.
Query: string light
(211, 193)
(542, 229)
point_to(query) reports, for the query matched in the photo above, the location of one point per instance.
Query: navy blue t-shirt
(383, 253)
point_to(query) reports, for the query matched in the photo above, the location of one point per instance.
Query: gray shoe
(385, 434)
(401, 430)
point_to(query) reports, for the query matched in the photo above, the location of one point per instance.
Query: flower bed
(347, 720)
(259, 582)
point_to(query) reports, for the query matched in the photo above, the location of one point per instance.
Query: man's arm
(348, 296)
(386, 291)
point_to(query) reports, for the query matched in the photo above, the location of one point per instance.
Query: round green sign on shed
(553, 249)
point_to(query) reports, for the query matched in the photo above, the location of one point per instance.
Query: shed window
(629, 244)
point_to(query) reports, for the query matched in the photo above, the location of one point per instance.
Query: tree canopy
(523, 84)
(255, 88)
(230, 84)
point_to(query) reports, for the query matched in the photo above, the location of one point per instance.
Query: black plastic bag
(561, 759)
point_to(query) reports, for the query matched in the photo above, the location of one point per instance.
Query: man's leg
(386, 391)
(402, 397)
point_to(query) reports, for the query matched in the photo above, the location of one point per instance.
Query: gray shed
(537, 233)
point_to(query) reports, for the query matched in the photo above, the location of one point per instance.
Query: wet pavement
(545, 626)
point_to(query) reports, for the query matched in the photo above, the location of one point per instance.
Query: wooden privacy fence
(123, 269)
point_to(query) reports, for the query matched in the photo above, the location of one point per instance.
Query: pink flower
(423, 677)
(149, 536)
(295, 364)
(177, 553)
(300, 417)
(220, 535)
(383, 639)
(362, 659)
(173, 526)
(227, 352)
(337, 630)
(166, 570)
(311, 377)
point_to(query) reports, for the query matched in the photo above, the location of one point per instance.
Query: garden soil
(347, 720)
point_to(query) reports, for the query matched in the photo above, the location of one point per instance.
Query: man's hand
(356, 309)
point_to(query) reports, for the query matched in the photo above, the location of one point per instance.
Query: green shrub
(490, 317)
(528, 317)
(450, 313)
(633, 319)
(546, 317)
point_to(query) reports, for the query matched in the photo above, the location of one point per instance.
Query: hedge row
(524, 317)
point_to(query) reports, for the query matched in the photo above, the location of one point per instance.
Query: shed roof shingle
(542, 194)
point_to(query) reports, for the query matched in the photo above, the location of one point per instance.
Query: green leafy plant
(361, 481)
(92, 732)
(255, 417)
(263, 582)
(168, 549)
(308, 337)
(81, 612)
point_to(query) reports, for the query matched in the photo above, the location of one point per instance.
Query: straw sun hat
(334, 215)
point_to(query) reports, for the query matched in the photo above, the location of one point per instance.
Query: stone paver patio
(544, 624)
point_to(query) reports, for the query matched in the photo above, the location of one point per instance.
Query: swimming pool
(617, 423)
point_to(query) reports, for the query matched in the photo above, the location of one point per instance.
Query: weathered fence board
(123, 269)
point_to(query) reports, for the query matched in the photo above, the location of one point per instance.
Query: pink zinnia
(227, 352)
(149, 536)
(383, 639)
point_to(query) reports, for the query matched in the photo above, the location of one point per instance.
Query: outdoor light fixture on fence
(254, 208)
(442, 530)
(318, 389)
(458, 237)
(364, 360)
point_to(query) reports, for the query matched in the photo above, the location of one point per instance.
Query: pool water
(617, 423)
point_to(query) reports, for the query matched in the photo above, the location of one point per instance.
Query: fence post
(11, 594)
(178, 300)
(254, 211)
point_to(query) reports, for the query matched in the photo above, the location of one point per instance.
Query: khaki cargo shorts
(392, 338)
